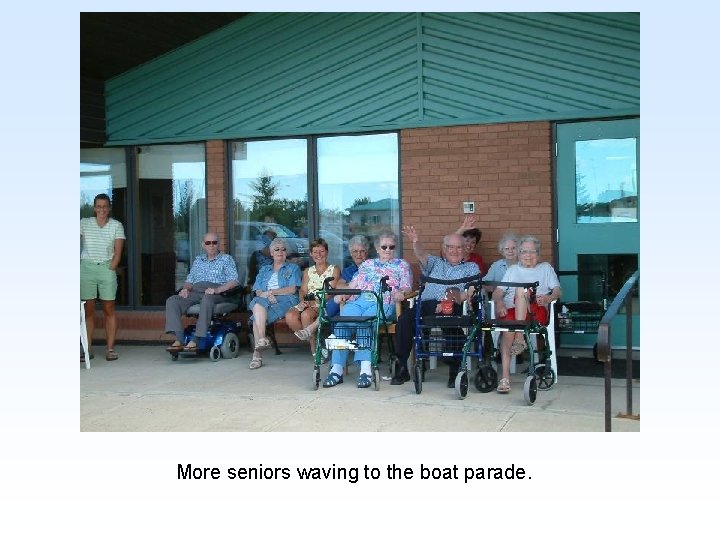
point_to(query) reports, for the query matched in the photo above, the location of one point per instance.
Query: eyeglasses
(528, 252)
(211, 242)
(358, 251)
(454, 247)
(509, 249)
(384, 248)
(280, 249)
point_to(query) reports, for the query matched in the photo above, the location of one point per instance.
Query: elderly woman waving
(368, 278)
(275, 291)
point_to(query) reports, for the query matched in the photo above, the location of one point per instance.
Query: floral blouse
(372, 270)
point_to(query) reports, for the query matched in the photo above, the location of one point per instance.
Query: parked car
(248, 238)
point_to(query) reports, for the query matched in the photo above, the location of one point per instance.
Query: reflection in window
(172, 216)
(269, 199)
(102, 170)
(606, 181)
(357, 189)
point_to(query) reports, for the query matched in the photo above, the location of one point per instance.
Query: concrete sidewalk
(146, 391)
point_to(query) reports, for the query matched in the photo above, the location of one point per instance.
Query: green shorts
(97, 280)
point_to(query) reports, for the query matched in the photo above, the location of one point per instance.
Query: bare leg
(110, 322)
(521, 310)
(506, 341)
(293, 318)
(90, 320)
(259, 321)
(309, 321)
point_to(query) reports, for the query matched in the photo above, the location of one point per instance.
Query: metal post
(628, 352)
(604, 352)
(608, 383)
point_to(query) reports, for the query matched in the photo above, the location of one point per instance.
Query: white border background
(57, 479)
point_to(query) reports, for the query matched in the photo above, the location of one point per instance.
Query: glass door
(598, 206)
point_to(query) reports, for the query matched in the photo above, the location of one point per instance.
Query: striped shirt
(99, 242)
(221, 269)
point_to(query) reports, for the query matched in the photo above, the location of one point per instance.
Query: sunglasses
(211, 242)
(387, 247)
(280, 249)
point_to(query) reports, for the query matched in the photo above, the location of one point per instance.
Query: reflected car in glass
(248, 239)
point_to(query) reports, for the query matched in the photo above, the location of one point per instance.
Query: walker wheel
(486, 379)
(215, 353)
(530, 389)
(545, 377)
(461, 384)
(418, 376)
(316, 377)
(376, 378)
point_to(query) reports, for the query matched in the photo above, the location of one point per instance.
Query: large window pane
(172, 216)
(269, 190)
(357, 189)
(102, 170)
(606, 181)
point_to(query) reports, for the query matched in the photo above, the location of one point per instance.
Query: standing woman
(300, 317)
(102, 240)
(275, 292)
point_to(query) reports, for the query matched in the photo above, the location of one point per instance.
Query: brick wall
(505, 168)
(217, 191)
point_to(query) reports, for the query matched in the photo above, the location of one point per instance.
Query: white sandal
(503, 386)
(256, 361)
(303, 334)
(262, 344)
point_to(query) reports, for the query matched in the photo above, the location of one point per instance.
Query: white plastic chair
(83, 335)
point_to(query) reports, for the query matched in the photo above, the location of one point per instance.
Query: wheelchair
(455, 337)
(542, 373)
(351, 333)
(223, 335)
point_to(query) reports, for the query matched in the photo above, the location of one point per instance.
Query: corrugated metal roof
(304, 73)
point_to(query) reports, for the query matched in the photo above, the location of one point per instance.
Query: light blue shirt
(221, 269)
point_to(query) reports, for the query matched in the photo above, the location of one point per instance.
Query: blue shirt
(497, 270)
(221, 269)
(349, 272)
(288, 274)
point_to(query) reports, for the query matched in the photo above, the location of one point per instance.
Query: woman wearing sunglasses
(275, 291)
(368, 278)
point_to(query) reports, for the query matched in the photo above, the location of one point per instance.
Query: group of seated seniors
(511, 303)
(275, 291)
(368, 278)
(300, 318)
(448, 267)
(276, 295)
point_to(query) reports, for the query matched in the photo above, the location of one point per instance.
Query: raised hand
(409, 232)
(468, 222)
